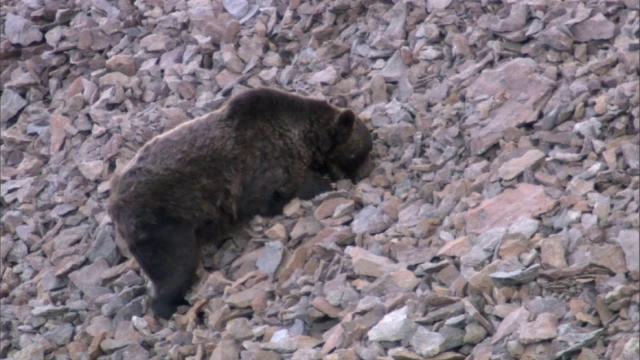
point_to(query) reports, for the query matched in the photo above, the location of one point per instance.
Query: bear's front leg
(312, 185)
(169, 255)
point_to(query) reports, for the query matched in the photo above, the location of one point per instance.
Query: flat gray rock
(21, 31)
(10, 104)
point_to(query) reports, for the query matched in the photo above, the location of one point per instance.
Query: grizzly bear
(186, 187)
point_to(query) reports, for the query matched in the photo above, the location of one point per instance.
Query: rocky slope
(501, 220)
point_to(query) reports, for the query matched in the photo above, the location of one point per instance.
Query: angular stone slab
(524, 92)
(505, 209)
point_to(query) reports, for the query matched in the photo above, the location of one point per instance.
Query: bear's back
(224, 153)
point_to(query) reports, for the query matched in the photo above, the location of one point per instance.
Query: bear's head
(340, 140)
(352, 144)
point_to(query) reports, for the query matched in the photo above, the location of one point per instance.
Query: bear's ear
(344, 126)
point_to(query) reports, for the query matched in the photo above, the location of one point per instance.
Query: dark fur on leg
(169, 256)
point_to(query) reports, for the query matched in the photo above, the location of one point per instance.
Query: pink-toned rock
(391, 207)
(596, 28)
(523, 92)
(513, 247)
(324, 306)
(516, 19)
(556, 37)
(328, 207)
(76, 87)
(225, 77)
(268, 75)
(503, 210)
(329, 76)
(629, 241)
(88, 277)
(230, 59)
(243, 299)
(504, 310)
(474, 314)
(78, 350)
(91, 169)
(239, 329)
(481, 281)
(609, 256)
(94, 346)
(405, 279)
(226, 349)
(546, 179)
(552, 253)
(231, 31)
(115, 78)
(515, 167)
(122, 63)
(99, 324)
(85, 39)
(155, 42)
(69, 264)
(543, 328)
(277, 231)
(300, 256)
(366, 263)
(333, 338)
(58, 123)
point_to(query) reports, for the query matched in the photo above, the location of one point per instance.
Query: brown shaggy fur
(187, 186)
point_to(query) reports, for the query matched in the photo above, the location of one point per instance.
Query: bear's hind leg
(169, 255)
